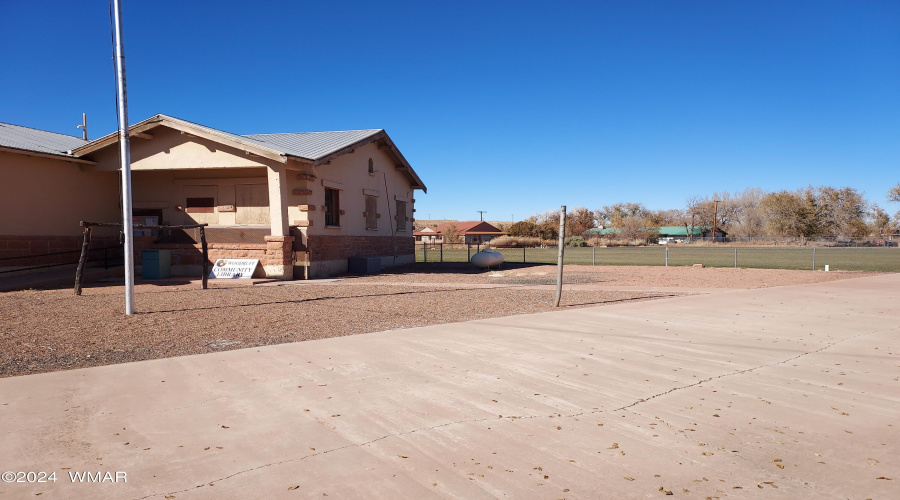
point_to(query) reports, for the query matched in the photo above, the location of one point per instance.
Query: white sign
(233, 268)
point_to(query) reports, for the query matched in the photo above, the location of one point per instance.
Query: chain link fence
(883, 259)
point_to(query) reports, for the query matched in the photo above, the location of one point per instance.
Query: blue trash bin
(157, 264)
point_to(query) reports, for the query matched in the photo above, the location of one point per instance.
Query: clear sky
(511, 107)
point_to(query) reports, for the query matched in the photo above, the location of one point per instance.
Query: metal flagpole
(124, 159)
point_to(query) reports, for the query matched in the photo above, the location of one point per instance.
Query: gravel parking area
(49, 330)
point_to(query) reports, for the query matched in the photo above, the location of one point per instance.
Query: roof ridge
(318, 132)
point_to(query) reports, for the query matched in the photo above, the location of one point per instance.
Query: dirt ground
(50, 330)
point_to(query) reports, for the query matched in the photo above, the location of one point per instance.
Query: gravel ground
(49, 330)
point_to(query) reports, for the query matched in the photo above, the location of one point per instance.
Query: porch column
(278, 195)
(279, 262)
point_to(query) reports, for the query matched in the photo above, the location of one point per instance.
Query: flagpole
(124, 159)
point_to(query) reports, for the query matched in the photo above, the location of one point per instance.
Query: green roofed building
(667, 234)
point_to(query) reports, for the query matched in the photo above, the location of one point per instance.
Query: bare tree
(451, 234)
(880, 221)
(894, 194)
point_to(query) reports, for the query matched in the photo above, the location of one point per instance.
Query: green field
(838, 259)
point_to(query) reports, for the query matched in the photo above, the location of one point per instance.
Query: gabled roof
(316, 148)
(470, 227)
(240, 142)
(38, 141)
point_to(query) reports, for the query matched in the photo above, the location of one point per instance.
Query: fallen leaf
(629, 478)
(291, 488)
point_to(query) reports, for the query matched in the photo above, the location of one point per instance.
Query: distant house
(301, 203)
(426, 235)
(669, 234)
(474, 232)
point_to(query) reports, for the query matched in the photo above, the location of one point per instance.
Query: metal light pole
(124, 159)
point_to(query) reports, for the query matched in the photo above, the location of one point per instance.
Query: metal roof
(39, 141)
(313, 145)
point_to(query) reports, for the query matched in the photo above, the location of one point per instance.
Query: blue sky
(509, 107)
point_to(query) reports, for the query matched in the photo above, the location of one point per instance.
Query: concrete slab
(789, 392)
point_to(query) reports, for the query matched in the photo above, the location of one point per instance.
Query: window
(200, 205)
(371, 212)
(401, 215)
(371, 167)
(332, 207)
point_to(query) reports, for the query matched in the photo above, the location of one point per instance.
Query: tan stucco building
(302, 203)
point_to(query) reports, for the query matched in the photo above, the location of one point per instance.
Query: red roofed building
(475, 232)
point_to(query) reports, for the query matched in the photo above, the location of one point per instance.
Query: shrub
(515, 242)
(575, 241)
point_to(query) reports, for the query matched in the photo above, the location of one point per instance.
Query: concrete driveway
(788, 392)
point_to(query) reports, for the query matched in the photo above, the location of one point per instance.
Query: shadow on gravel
(316, 299)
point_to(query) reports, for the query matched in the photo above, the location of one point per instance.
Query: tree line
(809, 212)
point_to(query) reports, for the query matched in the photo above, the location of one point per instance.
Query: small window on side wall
(332, 207)
(371, 167)
(401, 215)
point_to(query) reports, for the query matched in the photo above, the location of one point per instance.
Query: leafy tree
(523, 228)
(792, 213)
(578, 221)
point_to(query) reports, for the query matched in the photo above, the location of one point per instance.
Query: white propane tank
(487, 258)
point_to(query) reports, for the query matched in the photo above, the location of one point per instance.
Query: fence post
(735, 257)
(468, 252)
(79, 272)
(667, 256)
(204, 248)
(523, 256)
(814, 259)
(425, 252)
(593, 256)
(561, 255)
(442, 252)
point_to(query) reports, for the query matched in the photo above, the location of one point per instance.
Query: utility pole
(481, 214)
(124, 159)
(715, 219)
(83, 126)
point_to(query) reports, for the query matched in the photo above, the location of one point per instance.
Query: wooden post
(559, 258)
(205, 266)
(79, 272)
